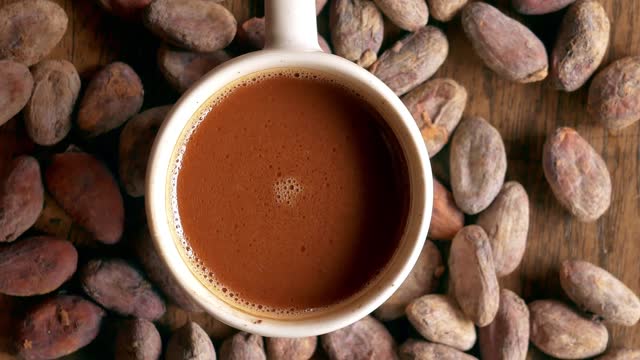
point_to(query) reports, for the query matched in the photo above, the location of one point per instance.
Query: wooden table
(523, 114)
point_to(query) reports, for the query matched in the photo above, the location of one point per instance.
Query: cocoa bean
(243, 346)
(112, 97)
(577, 175)
(507, 337)
(291, 348)
(446, 218)
(445, 10)
(197, 25)
(175, 318)
(182, 68)
(424, 278)
(439, 319)
(581, 44)
(614, 94)
(478, 164)
(251, 35)
(190, 342)
(473, 275)
(596, 290)
(559, 331)
(36, 265)
(506, 222)
(138, 339)
(21, 197)
(57, 327)
(16, 85)
(357, 29)
(409, 15)
(414, 350)
(539, 7)
(364, 339)
(412, 60)
(30, 29)
(85, 189)
(436, 106)
(136, 140)
(505, 45)
(120, 287)
(47, 116)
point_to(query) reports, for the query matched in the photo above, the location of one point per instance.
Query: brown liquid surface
(289, 194)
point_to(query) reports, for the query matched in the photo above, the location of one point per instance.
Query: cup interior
(183, 118)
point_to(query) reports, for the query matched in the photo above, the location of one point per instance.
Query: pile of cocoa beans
(80, 279)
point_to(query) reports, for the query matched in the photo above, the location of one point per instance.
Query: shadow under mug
(291, 43)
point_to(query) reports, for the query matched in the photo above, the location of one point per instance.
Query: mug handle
(291, 25)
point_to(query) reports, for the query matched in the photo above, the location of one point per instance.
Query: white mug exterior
(290, 51)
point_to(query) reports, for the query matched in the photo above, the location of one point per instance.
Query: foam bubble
(286, 190)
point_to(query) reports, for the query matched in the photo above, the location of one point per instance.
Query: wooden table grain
(524, 115)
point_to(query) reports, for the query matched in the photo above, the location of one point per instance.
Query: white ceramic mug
(291, 43)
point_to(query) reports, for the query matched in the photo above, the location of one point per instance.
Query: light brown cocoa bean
(559, 331)
(505, 45)
(424, 278)
(357, 29)
(36, 265)
(47, 116)
(197, 25)
(16, 85)
(182, 68)
(507, 337)
(56, 222)
(58, 326)
(614, 94)
(30, 29)
(21, 197)
(445, 10)
(126, 9)
(473, 275)
(158, 273)
(86, 190)
(422, 350)
(190, 342)
(582, 41)
(291, 348)
(120, 287)
(114, 95)
(506, 222)
(620, 354)
(243, 346)
(251, 35)
(597, 291)
(412, 60)
(439, 319)
(539, 7)
(437, 106)
(577, 175)
(175, 318)
(409, 15)
(478, 164)
(136, 140)
(446, 218)
(364, 339)
(137, 339)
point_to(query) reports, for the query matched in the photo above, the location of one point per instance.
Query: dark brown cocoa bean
(364, 339)
(16, 85)
(57, 327)
(112, 97)
(86, 190)
(291, 348)
(412, 60)
(507, 337)
(137, 339)
(190, 342)
(182, 68)
(120, 287)
(446, 218)
(36, 265)
(422, 350)
(539, 7)
(243, 346)
(21, 197)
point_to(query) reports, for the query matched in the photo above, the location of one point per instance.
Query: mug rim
(159, 210)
